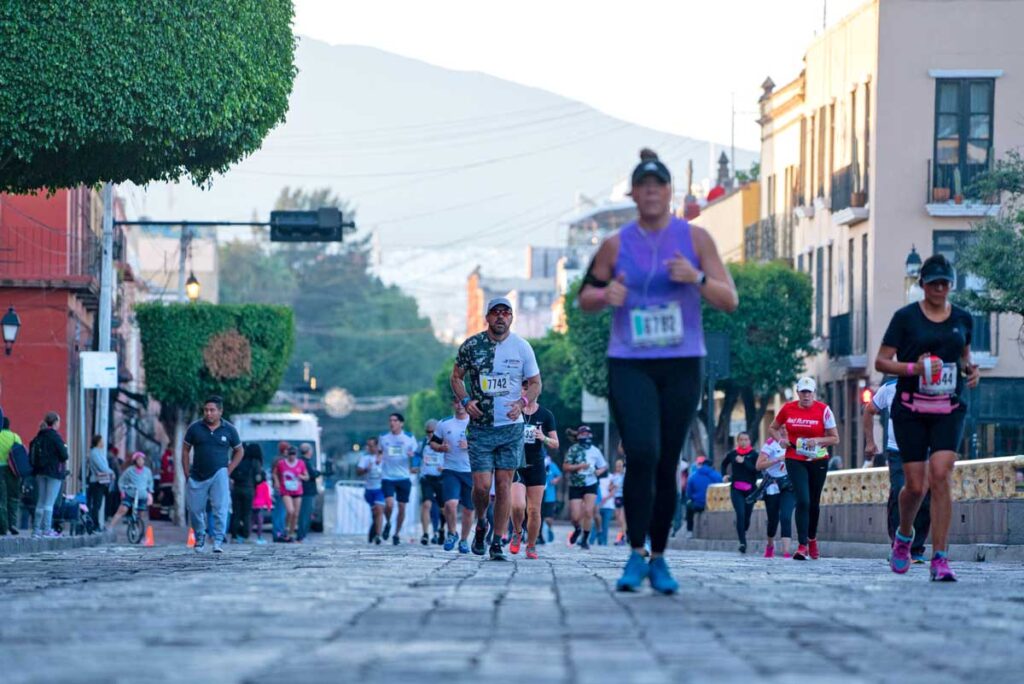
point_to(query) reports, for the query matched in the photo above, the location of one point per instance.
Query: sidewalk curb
(24, 543)
(957, 552)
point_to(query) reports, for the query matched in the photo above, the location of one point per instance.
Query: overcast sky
(673, 65)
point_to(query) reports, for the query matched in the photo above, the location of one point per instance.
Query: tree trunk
(732, 393)
(750, 412)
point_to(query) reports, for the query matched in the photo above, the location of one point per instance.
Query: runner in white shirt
(456, 478)
(496, 363)
(398, 448)
(431, 465)
(779, 498)
(369, 467)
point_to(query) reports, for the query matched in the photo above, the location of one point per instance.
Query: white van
(270, 429)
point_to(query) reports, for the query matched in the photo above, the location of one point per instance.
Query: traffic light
(322, 225)
(866, 395)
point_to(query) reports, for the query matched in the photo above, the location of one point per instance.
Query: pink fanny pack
(942, 405)
(742, 486)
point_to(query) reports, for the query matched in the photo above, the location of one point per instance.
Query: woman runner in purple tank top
(653, 272)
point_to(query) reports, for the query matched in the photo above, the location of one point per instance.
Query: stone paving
(339, 610)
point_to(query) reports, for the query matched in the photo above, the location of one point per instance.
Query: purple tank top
(642, 258)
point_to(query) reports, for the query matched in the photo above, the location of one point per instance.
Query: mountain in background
(448, 169)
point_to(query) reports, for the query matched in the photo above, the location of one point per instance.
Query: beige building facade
(867, 156)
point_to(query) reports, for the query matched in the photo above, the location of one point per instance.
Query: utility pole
(106, 310)
(183, 249)
(732, 139)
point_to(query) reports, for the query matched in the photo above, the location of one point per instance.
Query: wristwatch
(701, 278)
(465, 401)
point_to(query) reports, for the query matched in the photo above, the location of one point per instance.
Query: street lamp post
(913, 291)
(192, 287)
(11, 324)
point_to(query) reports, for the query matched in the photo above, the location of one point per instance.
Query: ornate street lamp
(11, 324)
(913, 272)
(192, 287)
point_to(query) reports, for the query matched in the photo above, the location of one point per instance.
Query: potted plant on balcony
(958, 188)
(940, 194)
(858, 198)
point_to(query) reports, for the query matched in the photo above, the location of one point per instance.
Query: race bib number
(394, 451)
(496, 385)
(431, 459)
(946, 384)
(803, 448)
(291, 484)
(657, 326)
(530, 435)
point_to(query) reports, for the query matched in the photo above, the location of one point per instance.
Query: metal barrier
(980, 479)
(352, 514)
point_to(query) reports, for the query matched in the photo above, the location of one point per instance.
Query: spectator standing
(309, 491)
(49, 456)
(697, 491)
(243, 492)
(218, 450)
(10, 484)
(262, 502)
(100, 477)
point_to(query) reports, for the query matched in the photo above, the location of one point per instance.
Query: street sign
(99, 370)
(322, 225)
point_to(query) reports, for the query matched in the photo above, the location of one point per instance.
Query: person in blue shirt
(697, 490)
(547, 508)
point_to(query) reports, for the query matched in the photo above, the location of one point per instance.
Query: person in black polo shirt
(218, 450)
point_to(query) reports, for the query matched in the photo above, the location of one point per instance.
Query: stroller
(72, 511)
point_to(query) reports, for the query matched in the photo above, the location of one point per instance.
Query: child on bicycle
(136, 485)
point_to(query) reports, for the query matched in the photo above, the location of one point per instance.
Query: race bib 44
(945, 384)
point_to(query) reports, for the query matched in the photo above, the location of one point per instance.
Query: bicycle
(133, 521)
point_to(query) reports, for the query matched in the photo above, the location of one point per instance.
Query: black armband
(591, 279)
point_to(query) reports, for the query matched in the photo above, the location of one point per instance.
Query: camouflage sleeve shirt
(495, 373)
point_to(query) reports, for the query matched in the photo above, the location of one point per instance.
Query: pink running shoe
(899, 561)
(787, 555)
(769, 551)
(940, 570)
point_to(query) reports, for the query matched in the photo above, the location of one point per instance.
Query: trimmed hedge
(174, 337)
(122, 90)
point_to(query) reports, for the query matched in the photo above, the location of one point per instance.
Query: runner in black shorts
(539, 432)
(585, 464)
(928, 347)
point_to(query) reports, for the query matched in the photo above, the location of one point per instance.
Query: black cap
(651, 167)
(937, 268)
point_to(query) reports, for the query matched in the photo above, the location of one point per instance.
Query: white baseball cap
(806, 384)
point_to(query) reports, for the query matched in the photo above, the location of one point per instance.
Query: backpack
(18, 461)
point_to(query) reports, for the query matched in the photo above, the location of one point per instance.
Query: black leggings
(808, 479)
(743, 512)
(653, 402)
(241, 513)
(780, 509)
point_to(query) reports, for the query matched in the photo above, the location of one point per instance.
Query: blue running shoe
(450, 541)
(899, 561)
(661, 577)
(463, 547)
(634, 574)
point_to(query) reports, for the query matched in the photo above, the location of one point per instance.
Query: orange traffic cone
(149, 536)
(191, 538)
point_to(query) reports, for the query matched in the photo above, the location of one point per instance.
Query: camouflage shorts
(492, 448)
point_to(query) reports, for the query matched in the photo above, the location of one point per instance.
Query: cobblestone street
(342, 611)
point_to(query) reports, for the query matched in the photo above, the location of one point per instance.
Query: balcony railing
(31, 252)
(844, 184)
(769, 239)
(941, 183)
(847, 336)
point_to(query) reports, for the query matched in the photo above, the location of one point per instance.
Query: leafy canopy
(994, 251)
(175, 337)
(119, 90)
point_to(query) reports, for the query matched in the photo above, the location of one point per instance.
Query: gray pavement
(339, 610)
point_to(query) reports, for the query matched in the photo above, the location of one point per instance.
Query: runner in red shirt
(289, 474)
(806, 428)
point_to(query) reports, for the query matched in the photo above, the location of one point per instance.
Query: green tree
(119, 90)
(191, 351)
(993, 250)
(588, 342)
(769, 337)
(434, 402)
